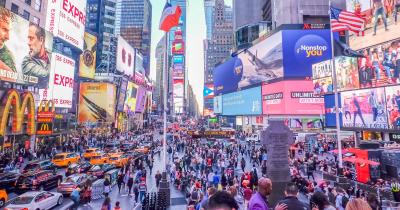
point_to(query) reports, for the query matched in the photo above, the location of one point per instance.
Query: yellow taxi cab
(115, 152)
(91, 152)
(3, 197)
(99, 159)
(118, 160)
(65, 159)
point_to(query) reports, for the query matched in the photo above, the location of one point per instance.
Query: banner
(217, 104)
(25, 55)
(140, 100)
(96, 102)
(130, 100)
(177, 59)
(245, 102)
(122, 95)
(87, 60)
(347, 73)
(125, 57)
(208, 91)
(67, 19)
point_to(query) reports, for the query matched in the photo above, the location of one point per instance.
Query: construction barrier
(98, 189)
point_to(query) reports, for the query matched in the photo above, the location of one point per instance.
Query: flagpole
(335, 88)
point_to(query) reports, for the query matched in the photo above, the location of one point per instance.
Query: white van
(253, 138)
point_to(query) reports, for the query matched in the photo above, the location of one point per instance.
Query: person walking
(158, 177)
(106, 204)
(120, 181)
(130, 183)
(107, 187)
(142, 189)
(291, 200)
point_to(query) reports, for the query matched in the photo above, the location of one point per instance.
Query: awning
(360, 161)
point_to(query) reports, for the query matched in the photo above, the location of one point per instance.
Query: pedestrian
(136, 191)
(107, 187)
(158, 177)
(258, 200)
(357, 204)
(130, 183)
(106, 204)
(373, 201)
(87, 194)
(117, 207)
(291, 200)
(142, 189)
(75, 197)
(120, 181)
(319, 201)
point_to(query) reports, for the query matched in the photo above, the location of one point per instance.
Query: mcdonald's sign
(44, 128)
(44, 113)
(14, 103)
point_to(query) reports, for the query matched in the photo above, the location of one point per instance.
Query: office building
(159, 83)
(246, 12)
(33, 10)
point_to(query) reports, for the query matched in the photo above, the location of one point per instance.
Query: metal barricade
(390, 205)
(98, 189)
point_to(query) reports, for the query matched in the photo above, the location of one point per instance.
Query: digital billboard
(302, 49)
(122, 95)
(125, 57)
(380, 22)
(291, 97)
(177, 59)
(140, 99)
(96, 102)
(217, 104)
(393, 106)
(178, 88)
(347, 73)
(87, 60)
(323, 85)
(260, 63)
(61, 83)
(25, 51)
(330, 114)
(208, 91)
(364, 108)
(66, 19)
(178, 47)
(381, 65)
(245, 102)
(130, 99)
(322, 69)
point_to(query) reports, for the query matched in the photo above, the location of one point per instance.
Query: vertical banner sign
(87, 61)
(45, 118)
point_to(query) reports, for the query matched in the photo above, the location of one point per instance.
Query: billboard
(130, 99)
(393, 106)
(66, 19)
(330, 114)
(140, 99)
(347, 73)
(96, 102)
(125, 57)
(380, 22)
(208, 91)
(245, 102)
(260, 63)
(25, 51)
(302, 49)
(381, 65)
(177, 59)
(61, 85)
(217, 104)
(87, 60)
(364, 108)
(178, 88)
(291, 97)
(178, 47)
(322, 77)
(122, 95)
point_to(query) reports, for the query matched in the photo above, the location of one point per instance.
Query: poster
(130, 100)
(393, 106)
(87, 60)
(347, 73)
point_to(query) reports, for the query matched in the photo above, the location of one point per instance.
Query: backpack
(345, 200)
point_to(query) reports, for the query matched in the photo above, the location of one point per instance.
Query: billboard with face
(381, 22)
(96, 102)
(25, 51)
(125, 57)
(393, 106)
(66, 19)
(364, 108)
(87, 61)
(347, 73)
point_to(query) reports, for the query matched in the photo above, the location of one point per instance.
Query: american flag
(343, 20)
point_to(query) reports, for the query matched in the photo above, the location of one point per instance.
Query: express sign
(66, 20)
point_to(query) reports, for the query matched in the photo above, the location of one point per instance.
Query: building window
(3, 3)
(35, 20)
(14, 8)
(38, 5)
(26, 15)
(28, 2)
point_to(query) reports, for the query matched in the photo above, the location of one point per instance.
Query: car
(65, 159)
(100, 170)
(41, 180)
(91, 152)
(99, 159)
(40, 165)
(127, 146)
(3, 197)
(142, 149)
(35, 200)
(115, 152)
(7, 180)
(74, 181)
(76, 168)
(111, 146)
(118, 160)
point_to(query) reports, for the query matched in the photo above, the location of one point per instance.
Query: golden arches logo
(46, 104)
(18, 108)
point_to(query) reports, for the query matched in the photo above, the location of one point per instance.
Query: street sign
(44, 128)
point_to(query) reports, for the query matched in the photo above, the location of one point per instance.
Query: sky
(196, 33)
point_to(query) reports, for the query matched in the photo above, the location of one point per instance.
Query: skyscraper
(133, 23)
(34, 11)
(159, 84)
(209, 6)
(247, 12)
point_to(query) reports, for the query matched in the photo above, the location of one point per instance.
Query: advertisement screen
(178, 48)
(302, 49)
(208, 91)
(140, 99)
(130, 100)
(323, 85)
(364, 109)
(380, 22)
(177, 72)
(330, 115)
(87, 60)
(122, 95)
(25, 53)
(245, 102)
(96, 102)
(347, 73)
(260, 63)
(208, 112)
(61, 85)
(177, 59)
(393, 106)
(139, 63)
(381, 65)
(66, 19)
(291, 97)
(125, 57)
(178, 88)
(218, 104)
(322, 69)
